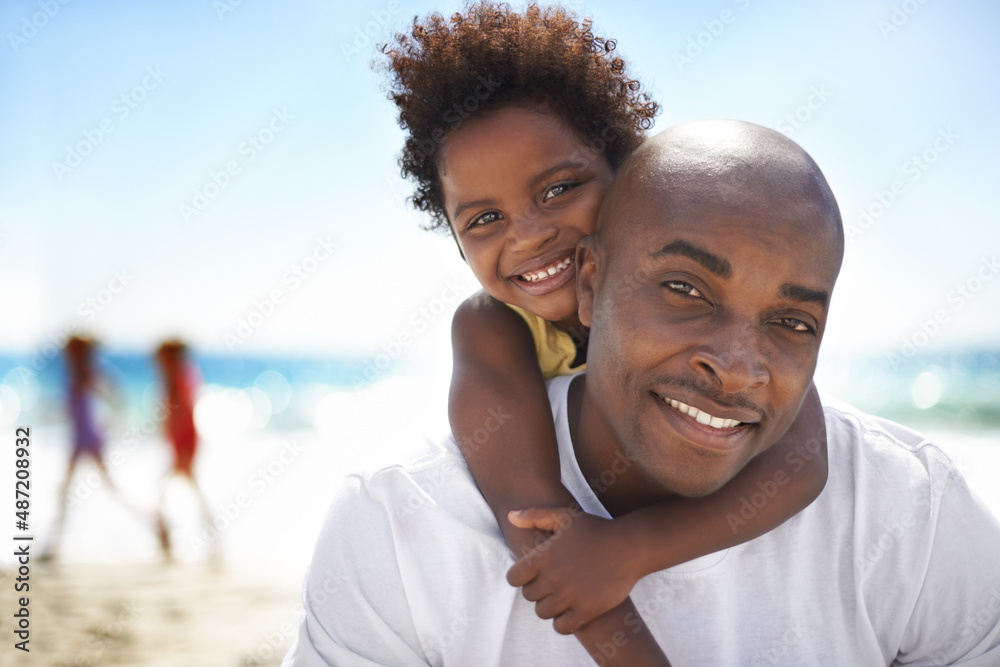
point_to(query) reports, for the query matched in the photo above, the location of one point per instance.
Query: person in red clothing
(180, 382)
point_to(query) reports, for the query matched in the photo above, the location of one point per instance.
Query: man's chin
(692, 474)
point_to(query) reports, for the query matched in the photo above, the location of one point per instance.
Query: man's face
(707, 310)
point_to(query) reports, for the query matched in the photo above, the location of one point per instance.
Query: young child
(87, 390)
(516, 122)
(180, 384)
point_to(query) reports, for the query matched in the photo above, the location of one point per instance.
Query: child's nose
(531, 230)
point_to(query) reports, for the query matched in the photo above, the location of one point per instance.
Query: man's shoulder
(889, 472)
(879, 441)
(427, 464)
(430, 488)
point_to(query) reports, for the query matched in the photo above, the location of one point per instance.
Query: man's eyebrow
(800, 293)
(713, 263)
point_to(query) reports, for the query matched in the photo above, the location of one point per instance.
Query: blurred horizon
(241, 191)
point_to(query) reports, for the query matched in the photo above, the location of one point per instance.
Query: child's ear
(586, 271)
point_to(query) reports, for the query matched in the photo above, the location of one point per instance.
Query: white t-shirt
(896, 562)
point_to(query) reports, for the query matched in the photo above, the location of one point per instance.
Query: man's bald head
(723, 161)
(707, 290)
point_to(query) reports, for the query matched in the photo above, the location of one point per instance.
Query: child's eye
(798, 326)
(484, 219)
(684, 288)
(557, 190)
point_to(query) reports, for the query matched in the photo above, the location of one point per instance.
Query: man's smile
(712, 426)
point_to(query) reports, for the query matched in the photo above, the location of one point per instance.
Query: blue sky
(233, 160)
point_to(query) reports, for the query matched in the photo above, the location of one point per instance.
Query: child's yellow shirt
(553, 347)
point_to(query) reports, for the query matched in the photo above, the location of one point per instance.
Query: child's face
(521, 190)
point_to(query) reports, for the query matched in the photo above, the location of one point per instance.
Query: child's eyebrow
(567, 164)
(469, 204)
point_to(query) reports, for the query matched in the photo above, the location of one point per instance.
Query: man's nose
(530, 230)
(732, 358)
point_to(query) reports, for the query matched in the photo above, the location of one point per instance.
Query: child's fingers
(541, 518)
(522, 572)
(568, 622)
(549, 607)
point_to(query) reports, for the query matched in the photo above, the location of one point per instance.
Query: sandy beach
(230, 596)
(182, 615)
(109, 598)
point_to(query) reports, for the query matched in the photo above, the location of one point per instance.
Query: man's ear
(586, 271)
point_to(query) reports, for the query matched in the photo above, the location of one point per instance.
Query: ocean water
(279, 434)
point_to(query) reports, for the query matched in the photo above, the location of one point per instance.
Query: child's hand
(578, 573)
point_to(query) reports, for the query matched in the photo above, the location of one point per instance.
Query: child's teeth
(551, 271)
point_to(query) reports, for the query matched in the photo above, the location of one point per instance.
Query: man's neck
(617, 482)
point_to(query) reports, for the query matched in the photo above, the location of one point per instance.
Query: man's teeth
(545, 273)
(702, 417)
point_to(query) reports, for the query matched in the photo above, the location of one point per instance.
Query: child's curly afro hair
(442, 72)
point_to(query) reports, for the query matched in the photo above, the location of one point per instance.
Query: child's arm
(773, 487)
(501, 417)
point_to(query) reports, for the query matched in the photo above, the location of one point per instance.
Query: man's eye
(684, 288)
(557, 190)
(484, 219)
(798, 326)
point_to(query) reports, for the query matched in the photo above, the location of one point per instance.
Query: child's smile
(521, 190)
(546, 274)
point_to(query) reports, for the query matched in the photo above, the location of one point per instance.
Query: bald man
(707, 291)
